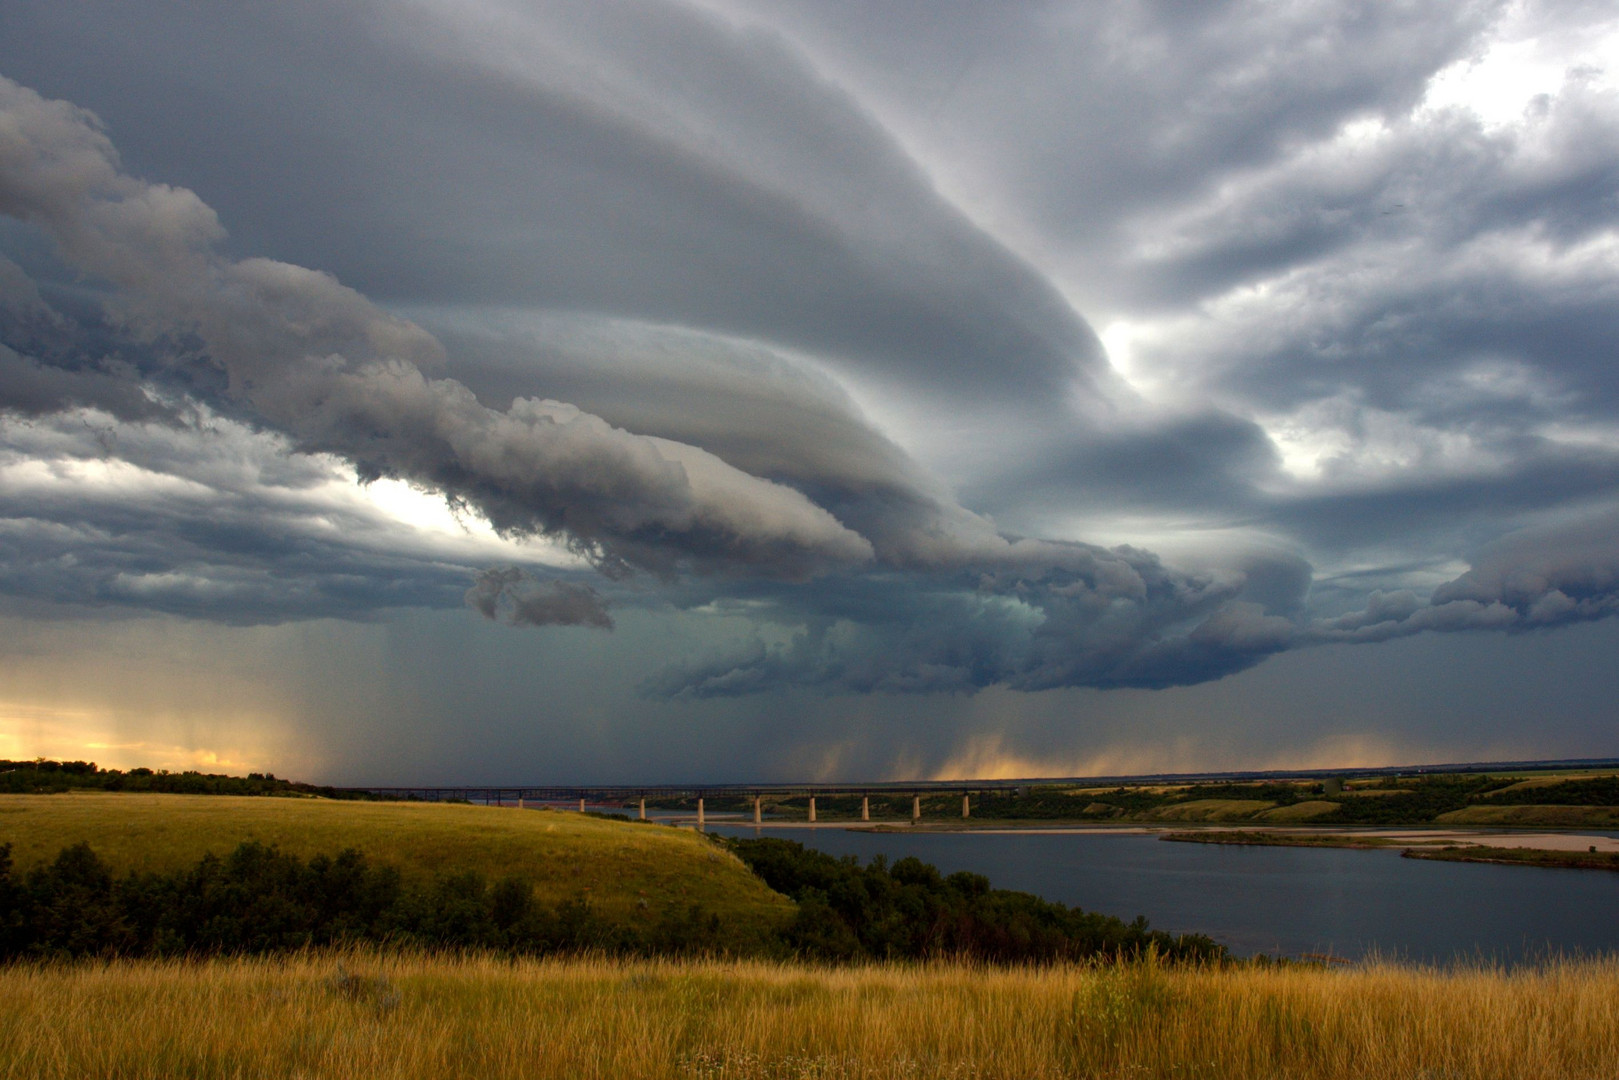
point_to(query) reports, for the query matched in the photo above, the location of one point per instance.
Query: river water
(1278, 900)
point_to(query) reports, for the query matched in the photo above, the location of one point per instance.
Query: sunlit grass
(614, 864)
(399, 1016)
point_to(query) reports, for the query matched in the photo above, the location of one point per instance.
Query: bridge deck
(620, 792)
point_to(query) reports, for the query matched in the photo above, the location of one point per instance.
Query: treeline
(259, 899)
(1576, 791)
(53, 777)
(1397, 801)
(1422, 801)
(1144, 800)
(847, 911)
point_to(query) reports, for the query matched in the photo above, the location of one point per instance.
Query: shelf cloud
(864, 352)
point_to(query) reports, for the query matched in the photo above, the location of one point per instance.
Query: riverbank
(415, 1017)
(1563, 860)
(1570, 851)
(1295, 836)
(1271, 839)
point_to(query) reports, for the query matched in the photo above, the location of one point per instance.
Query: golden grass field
(438, 1018)
(614, 864)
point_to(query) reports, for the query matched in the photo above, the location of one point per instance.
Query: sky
(405, 391)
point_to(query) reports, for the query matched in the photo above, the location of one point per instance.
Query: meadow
(408, 1012)
(612, 864)
(399, 1016)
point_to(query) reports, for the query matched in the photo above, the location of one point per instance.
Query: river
(1278, 900)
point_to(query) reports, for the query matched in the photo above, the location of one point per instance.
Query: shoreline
(1523, 836)
(1501, 846)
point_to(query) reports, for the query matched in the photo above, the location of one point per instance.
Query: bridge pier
(699, 812)
(758, 815)
(519, 802)
(966, 806)
(865, 808)
(812, 808)
(643, 807)
(581, 806)
(916, 808)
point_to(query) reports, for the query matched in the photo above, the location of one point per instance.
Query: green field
(613, 864)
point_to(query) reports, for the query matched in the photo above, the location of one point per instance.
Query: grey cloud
(697, 239)
(1131, 622)
(1110, 618)
(77, 369)
(527, 602)
(639, 159)
(755, 408)
(1532, 579)
(320, 362)
(1427, 303)
(207, 520)
(1085, 119)
(33, 389)
(1548, 574)
(1449, 512)
(1208, 461)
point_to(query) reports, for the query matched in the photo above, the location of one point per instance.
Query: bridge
(638, 794)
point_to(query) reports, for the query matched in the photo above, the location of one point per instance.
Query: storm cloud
(527, 602)
(783, 314)
(318, 361)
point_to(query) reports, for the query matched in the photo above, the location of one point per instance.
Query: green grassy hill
(615, 865)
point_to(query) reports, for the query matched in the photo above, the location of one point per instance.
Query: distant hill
(1586, 798)
(42, 776)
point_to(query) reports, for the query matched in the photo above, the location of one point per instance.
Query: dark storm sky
(664, 389)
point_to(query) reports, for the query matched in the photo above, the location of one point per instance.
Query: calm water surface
(1279, 900)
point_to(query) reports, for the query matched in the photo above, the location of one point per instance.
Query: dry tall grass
(439, 1018)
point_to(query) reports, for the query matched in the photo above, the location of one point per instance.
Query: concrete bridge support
(916, 808)
(519, 802)
(699, 813)
(812, 808)
(865, 808)
(643, 808)
(758, 814)
(581, 806)
(966, 806)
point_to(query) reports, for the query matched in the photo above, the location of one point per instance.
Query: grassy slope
(1310, 810)
(406, 1017)
(613, 864)
(1212, 810)
(1578, 816)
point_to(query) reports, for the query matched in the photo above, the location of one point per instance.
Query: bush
(259, 899)
(909, 911)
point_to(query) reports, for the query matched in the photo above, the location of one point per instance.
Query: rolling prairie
(613, 864)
